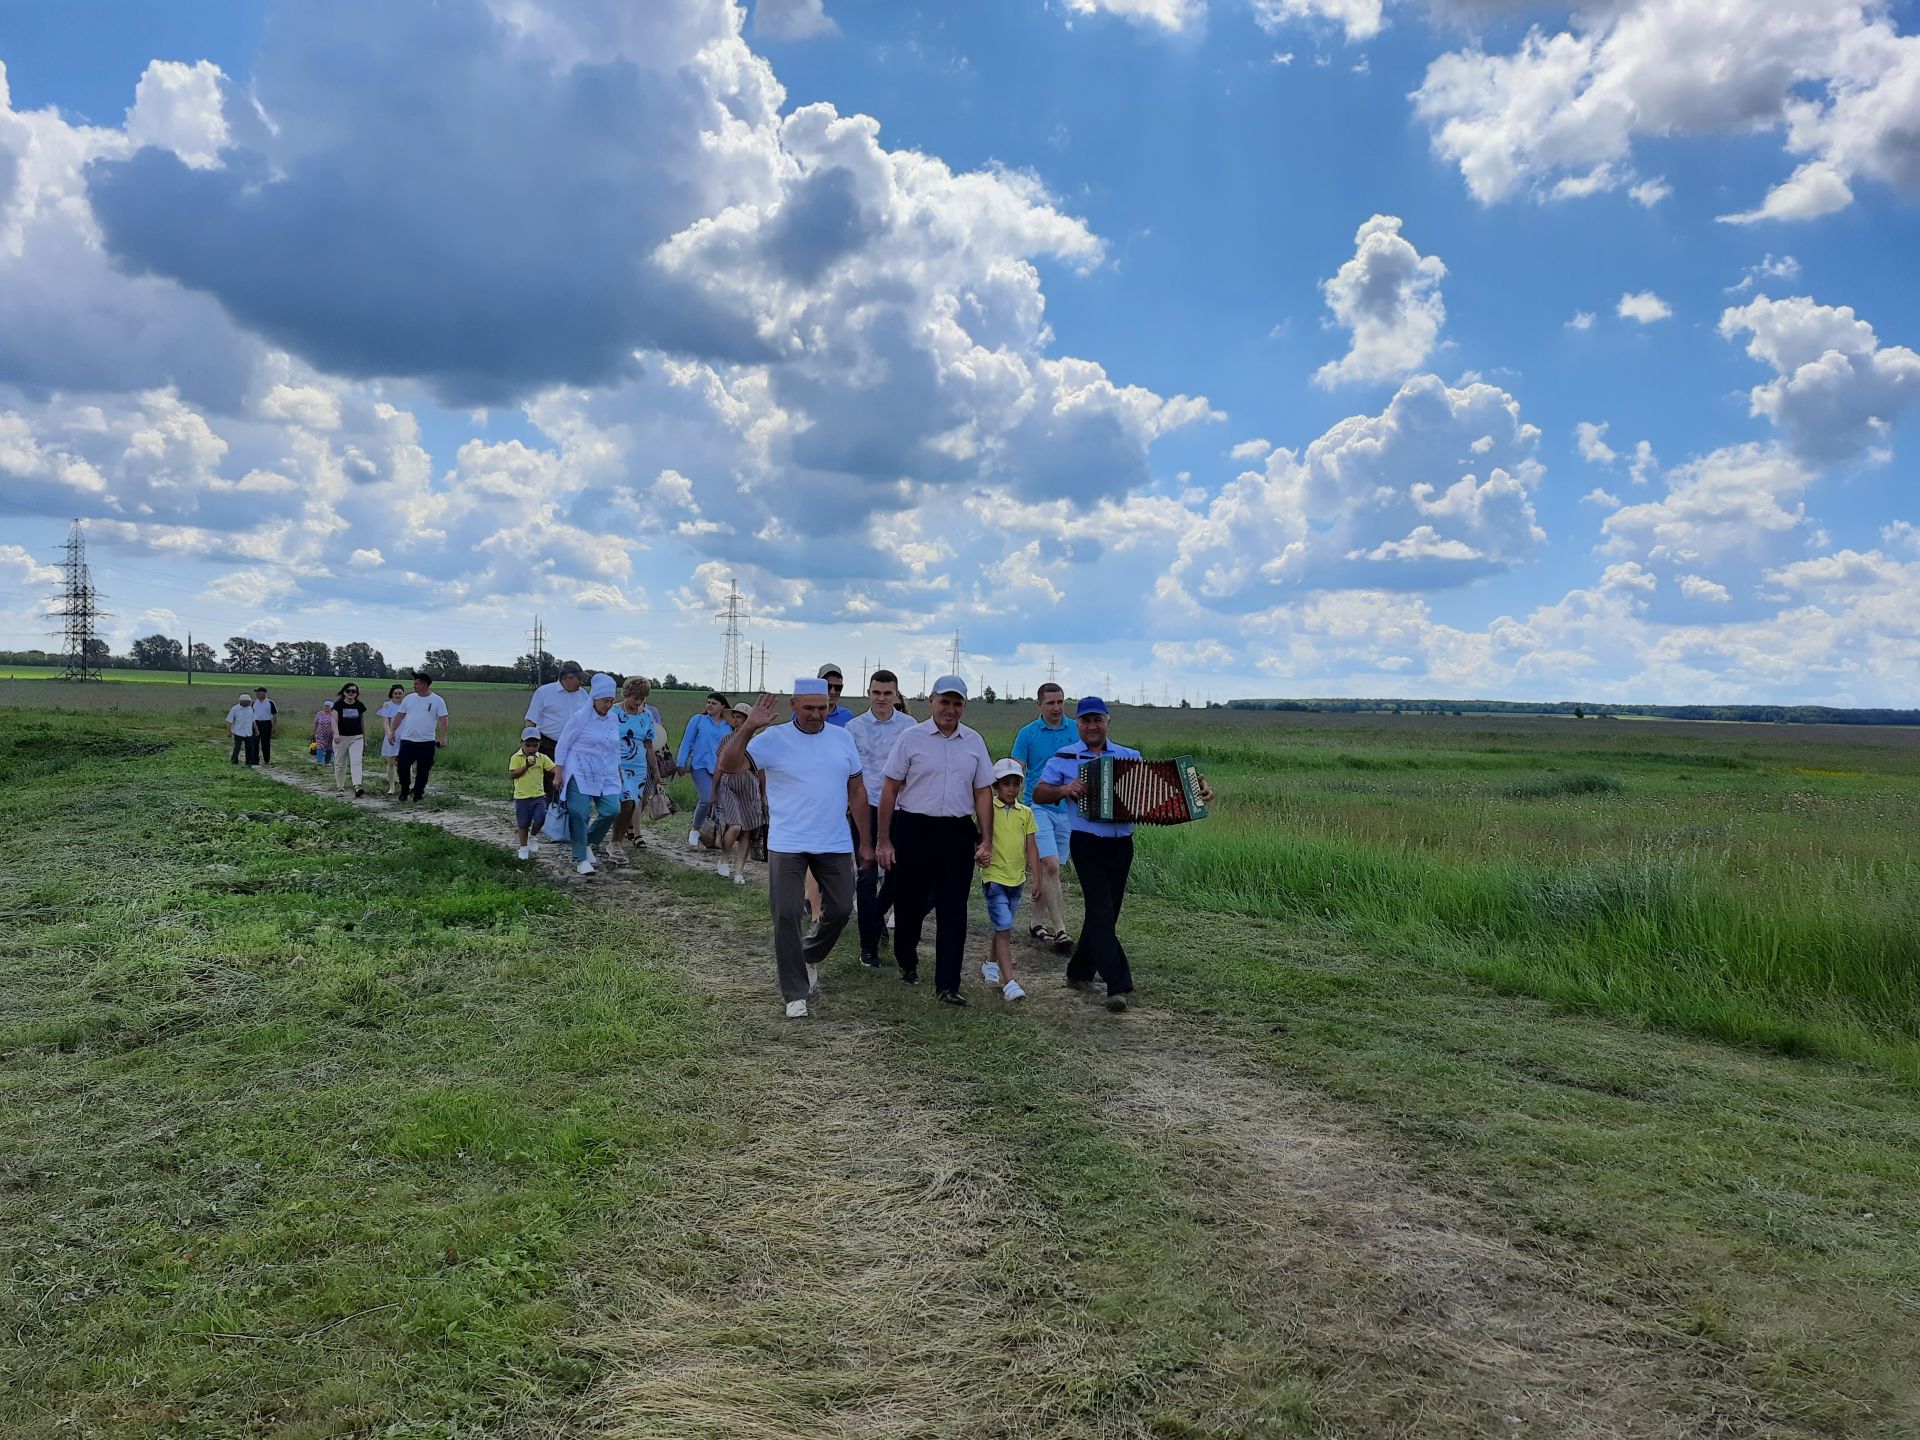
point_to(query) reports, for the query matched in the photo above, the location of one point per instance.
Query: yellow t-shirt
(1012, 824)
(530, 783)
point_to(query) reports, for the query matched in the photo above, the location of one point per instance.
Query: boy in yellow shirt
(1015, 857)
(529, 769)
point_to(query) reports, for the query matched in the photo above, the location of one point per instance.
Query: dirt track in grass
(867, 1263)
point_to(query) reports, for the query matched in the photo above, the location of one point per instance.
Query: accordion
(1141, 792)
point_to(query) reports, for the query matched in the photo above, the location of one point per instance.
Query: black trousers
(1103, 864)
(873, 889)
(934, 871)
(416, 763)
(263, 737)
(251, 744)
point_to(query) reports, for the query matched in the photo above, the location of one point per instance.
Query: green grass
(303, 1120)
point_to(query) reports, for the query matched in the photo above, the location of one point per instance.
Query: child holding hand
(1016, 855)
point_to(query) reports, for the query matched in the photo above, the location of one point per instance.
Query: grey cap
(830, 669)
(949, 685)
(572, 667)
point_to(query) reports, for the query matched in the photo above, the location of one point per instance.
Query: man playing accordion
(1102, 853)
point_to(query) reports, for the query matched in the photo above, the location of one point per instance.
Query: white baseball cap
(1003, 768)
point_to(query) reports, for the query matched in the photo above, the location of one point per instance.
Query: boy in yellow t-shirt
(529, 769)
(1015, 857)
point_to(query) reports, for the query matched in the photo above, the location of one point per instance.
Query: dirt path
(819, 1229)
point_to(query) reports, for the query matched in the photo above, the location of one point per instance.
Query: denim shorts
(528, 813)
(1002, 902)
(1052, 832)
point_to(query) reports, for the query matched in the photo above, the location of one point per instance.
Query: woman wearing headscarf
(389, 741)
(638, 727)
(738, 808)
(323, 734)
(587, 773)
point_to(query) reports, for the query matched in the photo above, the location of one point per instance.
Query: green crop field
(1491, 1075)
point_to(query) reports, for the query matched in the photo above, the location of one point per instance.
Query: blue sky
(1410, 347)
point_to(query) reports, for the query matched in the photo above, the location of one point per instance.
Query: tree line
(1581, 710)
(356, 659)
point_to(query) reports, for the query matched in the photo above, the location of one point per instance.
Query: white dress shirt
(552, 707)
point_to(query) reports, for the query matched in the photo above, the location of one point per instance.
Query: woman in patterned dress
(739, 809)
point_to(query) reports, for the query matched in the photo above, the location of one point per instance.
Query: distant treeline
(1584, 710)
(247, 656)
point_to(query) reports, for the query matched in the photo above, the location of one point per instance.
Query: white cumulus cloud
(1388, 297)
(1643, 306)
(1836, 389)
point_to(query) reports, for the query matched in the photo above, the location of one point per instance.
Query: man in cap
(1102, 856)
(837, 714)
(266, 715)
(813, 783)
(587, 773)
(240, 725)
(552, 706)
(936, 824)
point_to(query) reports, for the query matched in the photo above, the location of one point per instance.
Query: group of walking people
(878, 810)
(413, 730)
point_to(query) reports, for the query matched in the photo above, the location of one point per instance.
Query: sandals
(1062, 943)
(1038, 933)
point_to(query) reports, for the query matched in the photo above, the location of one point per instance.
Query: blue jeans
(703, 787)
(591, 817)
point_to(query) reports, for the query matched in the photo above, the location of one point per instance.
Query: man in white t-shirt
(240, 727)
(813, 782)
(421, 728)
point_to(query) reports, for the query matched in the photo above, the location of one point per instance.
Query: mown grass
(304, 1117)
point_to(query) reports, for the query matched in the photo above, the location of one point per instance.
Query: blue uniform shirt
(1035, 745)
(1064, 769)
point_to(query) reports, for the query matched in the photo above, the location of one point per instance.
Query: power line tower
(538, 640)
(953, 664)
(1053, 671)
(730, 656)
(79, 609)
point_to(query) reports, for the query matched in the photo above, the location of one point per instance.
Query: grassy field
(1750, 883)
(315, 1125)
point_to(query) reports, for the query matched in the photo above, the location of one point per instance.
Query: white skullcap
(808, 685)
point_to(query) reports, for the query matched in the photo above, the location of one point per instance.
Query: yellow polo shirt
(1012, 824)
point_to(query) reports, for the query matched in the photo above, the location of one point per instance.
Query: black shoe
(951, 997)
(870, 959)
(909, 977)
(1116, 1003)
(358, 793)
(1085, 987)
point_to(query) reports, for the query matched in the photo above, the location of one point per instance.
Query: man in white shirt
(266, 716)
(552, 706)
(874, 735)
(240, 727)
(813, 783)
(421, 728)
(937, 804)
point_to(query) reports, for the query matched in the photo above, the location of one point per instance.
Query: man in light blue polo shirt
(1039, 740)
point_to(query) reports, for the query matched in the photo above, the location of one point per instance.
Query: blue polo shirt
(839, 715)
(1035, 745)
(1064, 769)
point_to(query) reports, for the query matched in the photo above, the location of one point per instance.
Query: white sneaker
(533, 848)
(740, 877)
(1012, 991)
(585, 867)
(813, 982)
(796, 1010)
(693, 839)
(524, 852)
(990, 972)
(724, 869)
